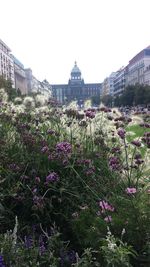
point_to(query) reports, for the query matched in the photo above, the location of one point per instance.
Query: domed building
(76, 89)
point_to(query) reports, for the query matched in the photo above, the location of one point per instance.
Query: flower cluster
(2, 261)
(83, 161)
(114, 163)
(145, 125)
(105, 206)
(131, 190)
(136, 143)
(146, 139)
(121, 133)
(51, 132)
(116, 150)
(52, 177)
(64, 147)
(42, 247)
(14, 167)
(90, 114)
(45, 149)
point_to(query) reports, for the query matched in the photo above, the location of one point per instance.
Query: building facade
(147, 75)
(22, 79)
(108, 85)
(35, 86)
(120, 81)
(76, 89)
(20, 76)
(6, 63)
(137, 67)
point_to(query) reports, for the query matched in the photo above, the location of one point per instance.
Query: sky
(50, 35)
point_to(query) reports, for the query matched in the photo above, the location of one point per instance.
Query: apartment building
(35, 86)
(137, 67)
(108, 84)
(120, 81)
(147, 75)
(105, 87)
(6, 63)
(22, 79)
(20, 76)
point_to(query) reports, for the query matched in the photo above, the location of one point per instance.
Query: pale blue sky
(49, 35)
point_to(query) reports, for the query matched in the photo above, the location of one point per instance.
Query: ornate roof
(75, 69)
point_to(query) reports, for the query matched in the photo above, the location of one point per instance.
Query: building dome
(75, 69)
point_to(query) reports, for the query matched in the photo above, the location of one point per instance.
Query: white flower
(41, 100)
(3, 95)
(29, 102)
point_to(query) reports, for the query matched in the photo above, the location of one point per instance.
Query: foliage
(95, 100)
(134, 95)
(7, 85)
(107, 100)
(116, 252)
(76, 170)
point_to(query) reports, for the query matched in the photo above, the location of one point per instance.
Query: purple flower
(38, 201)
(146, 139)
(121, 133)
(52, 177)
(116, 150)
(139, 161)
(28, 241)
(138, 156)
(24, 177)
(131, 190)
(44, 149)
(42, 247)
(105, 206)
(14, 167)
(72, 256)
(136, 143)
(64, 147)
(37, 179)
(114, 163)
(90, 171)
(83, 161)
(2, 261)
(108, 219)
(51, 132)
(90, 114)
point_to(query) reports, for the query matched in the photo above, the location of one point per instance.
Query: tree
(107, 100)
(95, 100)
(127, 98)
(7, 85)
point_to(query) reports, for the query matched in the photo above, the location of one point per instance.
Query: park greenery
(133, 95)
(74, 185)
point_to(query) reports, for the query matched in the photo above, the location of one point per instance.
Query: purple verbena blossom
(44, 149)
(108, 219)
(2, 261)
(105, 206)
(51, 132)
(52, 177)
(121, 133)
(136, 143)
(114, 163)
(90, 114)
(42, 247)
(28, 241)
(64, 147)
(37, 179)
(131, 190)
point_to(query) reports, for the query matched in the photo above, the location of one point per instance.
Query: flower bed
(75, 173)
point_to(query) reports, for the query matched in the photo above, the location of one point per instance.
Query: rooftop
(1, 42)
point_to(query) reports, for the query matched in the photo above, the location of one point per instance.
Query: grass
(137, 130)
